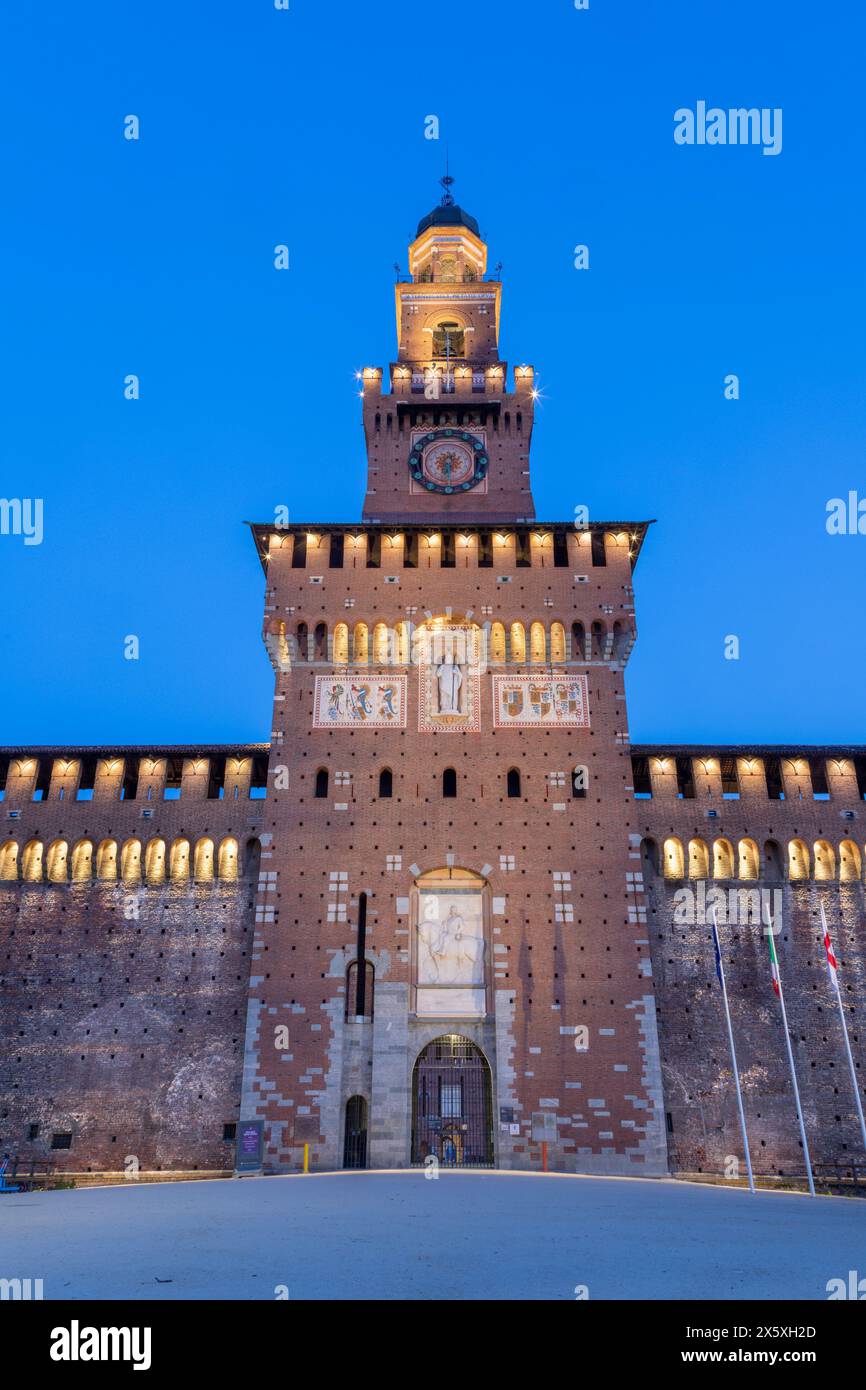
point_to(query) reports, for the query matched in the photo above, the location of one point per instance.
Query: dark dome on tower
(448, 215)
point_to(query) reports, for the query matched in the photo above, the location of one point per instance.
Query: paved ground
(400, 1235)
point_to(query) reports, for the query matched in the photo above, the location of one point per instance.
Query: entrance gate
(452, 1105)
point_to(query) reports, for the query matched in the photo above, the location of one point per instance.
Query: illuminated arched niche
(450, 944)
(497, 643)
(341, 644)
(9, 861)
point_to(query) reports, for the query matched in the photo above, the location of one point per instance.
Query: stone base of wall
(700, 1097)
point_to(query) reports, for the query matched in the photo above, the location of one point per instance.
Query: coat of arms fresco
(351, 701)
(526, 701)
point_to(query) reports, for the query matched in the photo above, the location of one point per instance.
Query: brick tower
(451, 962)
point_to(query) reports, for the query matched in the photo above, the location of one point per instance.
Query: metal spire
(446, 182)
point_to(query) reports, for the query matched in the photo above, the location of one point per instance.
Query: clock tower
(451, 961)
(448, 441)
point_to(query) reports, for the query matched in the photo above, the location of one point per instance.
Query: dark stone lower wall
(122, 1018)
(700, 1100)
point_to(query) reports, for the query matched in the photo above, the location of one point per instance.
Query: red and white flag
(832, 963)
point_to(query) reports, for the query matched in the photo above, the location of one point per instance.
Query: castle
(449, 912)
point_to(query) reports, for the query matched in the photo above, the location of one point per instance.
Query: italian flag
(774, 964)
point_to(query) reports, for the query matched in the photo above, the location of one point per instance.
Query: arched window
(9, 861)
(56, 861)
(513, 782)
(599, 637)
(825, 861)
(322, 782)
(449, 782)
(798, 860)
(106, 860)
(228, 859)
(748, 857)
(673, 858)
(82, 861)
(497, 642)
(179, 861)
(381, 645)
(537, 643)
(360, 641)
(649, 858)
(154, 861)
(578, 642)
(620, 640)
(303, 648)
(699, 860)
(320, 641)
(557, 642)
(518, 642)
(402, 643)
(341, 644)
(849, 862)
(130, 861)
(359, 1007)
(386, 782)
(203, 862)
(252, 860)
(773, 865)
(31, 865)
(723, 859)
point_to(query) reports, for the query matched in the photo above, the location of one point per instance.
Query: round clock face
(448, 461)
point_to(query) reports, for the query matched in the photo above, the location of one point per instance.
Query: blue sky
(307, 127)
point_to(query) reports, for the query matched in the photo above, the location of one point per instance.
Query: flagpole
(835, 981)
(791, 1061)
(733, 1051)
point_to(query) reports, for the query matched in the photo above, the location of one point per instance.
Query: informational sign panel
(544, 1127)
(249, 1146)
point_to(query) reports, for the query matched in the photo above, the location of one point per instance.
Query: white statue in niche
(450, 679)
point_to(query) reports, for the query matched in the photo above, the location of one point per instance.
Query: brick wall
(699, 1095)
(568, 953)
(122, 1005)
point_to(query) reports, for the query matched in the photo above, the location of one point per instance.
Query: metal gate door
(452, 1106)
(355, 1142)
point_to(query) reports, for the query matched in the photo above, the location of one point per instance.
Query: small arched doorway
(452, 1104)
(355, 1141)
